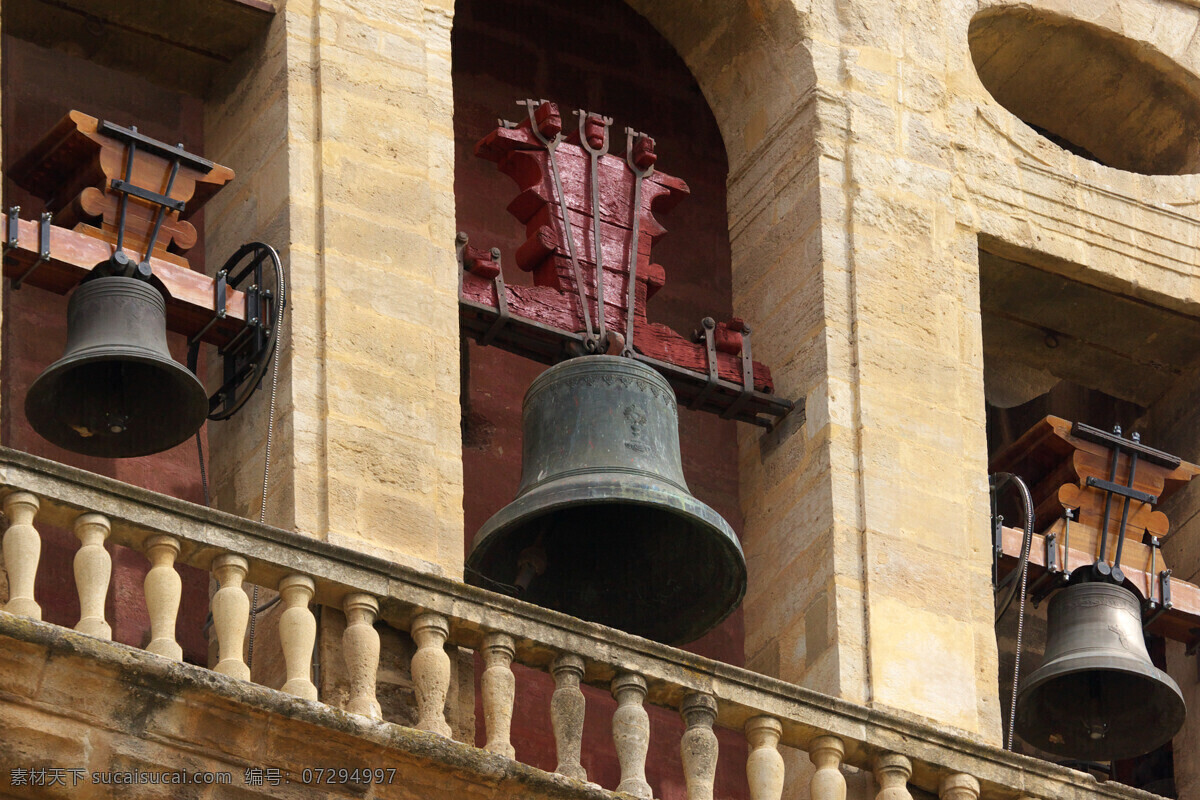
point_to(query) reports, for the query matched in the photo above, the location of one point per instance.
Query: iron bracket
(1098, 436)
(12, 228)
(220, 284)
(119, 185)
(503, 314)
(1163, 604)
(1052, 568)
(1124, 491)
(708, 324)
(44, 225)
(747, 377)
(155, 146)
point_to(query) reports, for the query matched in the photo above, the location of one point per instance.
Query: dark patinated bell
(116, 392)
(603, 526)
(1097, 696)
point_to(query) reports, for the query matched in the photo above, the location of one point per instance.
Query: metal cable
(203, 471)
(1023, 567)
(280, 304)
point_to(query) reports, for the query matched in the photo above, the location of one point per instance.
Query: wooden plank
(1181, 622)
(191, 299)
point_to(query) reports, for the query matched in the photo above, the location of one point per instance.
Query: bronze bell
(1097, 696)
(116, 392)
(603, 526)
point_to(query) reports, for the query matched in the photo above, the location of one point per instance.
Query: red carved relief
(554, 299)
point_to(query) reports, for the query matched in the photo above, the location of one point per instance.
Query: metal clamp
(747, 377)
(220, 284)
(710, 347)
(12, 229)
(44, 225)
(1163, 604)
(503, 314)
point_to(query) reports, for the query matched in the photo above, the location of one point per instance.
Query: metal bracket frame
(12, 229)
(503, 314)
(220, 285)
(44, 226)
(708, 325)
(747, 377)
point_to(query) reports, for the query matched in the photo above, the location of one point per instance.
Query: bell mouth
(631, 553)
(1097, 695)
(1142, 709)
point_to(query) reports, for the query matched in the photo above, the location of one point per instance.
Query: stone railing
(902, 751)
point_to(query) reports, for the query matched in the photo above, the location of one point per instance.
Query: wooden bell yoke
(94, 176)
(1094, 494)
(589, 222)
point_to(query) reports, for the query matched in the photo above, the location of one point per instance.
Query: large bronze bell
(116, 392)
(1097, 696)
(603, 526)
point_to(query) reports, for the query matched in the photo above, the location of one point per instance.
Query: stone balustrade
(901, 751)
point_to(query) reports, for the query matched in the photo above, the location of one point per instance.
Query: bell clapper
(530, 564)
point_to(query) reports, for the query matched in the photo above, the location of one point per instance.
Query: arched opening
(607, 59)
(1092, 92)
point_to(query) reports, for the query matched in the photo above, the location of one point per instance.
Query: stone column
(22, 550)
(499, 692)
(93, 571)
(163, 590)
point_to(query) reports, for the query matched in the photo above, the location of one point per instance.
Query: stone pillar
(431, 672)
(342, 137)
(163, 589)
(22, 549)
(631, 733)
(230, 611)
(499, 692)
(860, 279)
(93, 571)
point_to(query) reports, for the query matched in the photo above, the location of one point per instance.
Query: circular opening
(1097, 94)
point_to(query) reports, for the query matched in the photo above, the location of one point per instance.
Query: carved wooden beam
(98, 179)
(567, 239)
(190, 295)
(1066, 467)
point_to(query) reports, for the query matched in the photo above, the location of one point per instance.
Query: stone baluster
(892, 772)
(163, 589)
(298, 634)
(631, 733)
(958, 786)
(764, 766)
(567, 707)
(93, 571)
(499, 692)
(828, 782)
(360, 649)
(431, 672)
(22, 549)
(698, 747)
(231, 613)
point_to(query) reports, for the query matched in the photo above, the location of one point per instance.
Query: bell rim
(48, 383)
(1175, 715)
(548, 498)
(542, 497)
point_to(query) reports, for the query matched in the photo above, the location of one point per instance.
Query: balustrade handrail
(442, 609)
